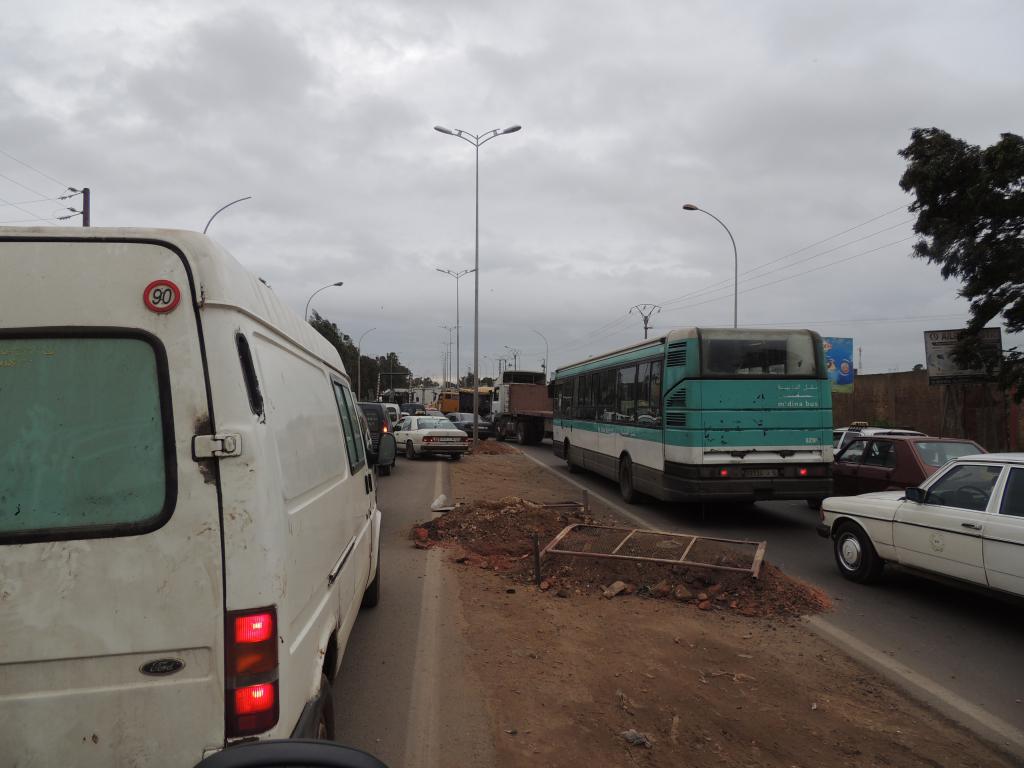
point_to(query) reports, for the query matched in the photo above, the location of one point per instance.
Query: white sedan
(966, 521)
(417, 435)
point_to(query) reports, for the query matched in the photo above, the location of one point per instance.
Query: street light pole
(451, 328)
(210, 221)
(458, 344)
(515, 357)
(546, 350)
(477, 142)
(305, 316)
(736, 263)
(359, 364)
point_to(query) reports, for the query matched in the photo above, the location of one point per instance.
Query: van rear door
(111, 591)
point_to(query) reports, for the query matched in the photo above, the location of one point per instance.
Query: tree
(370, 367)
(969, 203)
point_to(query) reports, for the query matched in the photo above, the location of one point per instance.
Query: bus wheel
(573, 468)
(629, 494)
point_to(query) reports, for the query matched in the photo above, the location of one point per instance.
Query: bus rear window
(758, 354)
(84, 452)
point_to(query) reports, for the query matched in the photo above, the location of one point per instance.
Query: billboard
(839, 362)
(938, 354)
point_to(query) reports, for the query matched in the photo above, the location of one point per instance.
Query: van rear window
(84, 452)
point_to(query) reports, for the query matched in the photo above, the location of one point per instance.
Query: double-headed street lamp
(736, 262)
(359, 364)
(458, 276)
(477, 142)
(329, 285)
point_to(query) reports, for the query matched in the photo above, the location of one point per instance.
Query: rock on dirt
(615, 589)
(636, 738)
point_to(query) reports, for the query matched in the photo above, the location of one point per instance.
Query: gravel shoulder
(571, 677)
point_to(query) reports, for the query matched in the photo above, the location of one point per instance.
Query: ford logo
(160, 667)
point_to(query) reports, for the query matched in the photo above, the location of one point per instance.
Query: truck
(524, 408)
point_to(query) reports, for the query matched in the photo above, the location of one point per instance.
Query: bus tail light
(802, 471)
(723, 472)
(250, 671)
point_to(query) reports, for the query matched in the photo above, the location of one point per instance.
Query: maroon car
(890, 462)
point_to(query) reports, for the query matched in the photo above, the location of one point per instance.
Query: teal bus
(702, 414)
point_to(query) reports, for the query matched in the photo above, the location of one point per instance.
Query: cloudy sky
(782, 119)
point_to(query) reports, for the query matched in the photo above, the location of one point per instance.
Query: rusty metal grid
(639, 545)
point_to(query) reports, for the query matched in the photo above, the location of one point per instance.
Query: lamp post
(359, 364)
(329, 285)
(477, 142)
(249, 197)
(736, 261)
(458, 345)
(451, 328)
(546, 351)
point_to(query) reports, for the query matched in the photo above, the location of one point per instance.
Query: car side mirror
(387, 449)
(916, 495)
(291, 752)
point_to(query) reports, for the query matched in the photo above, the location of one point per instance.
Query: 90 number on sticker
(161, 296)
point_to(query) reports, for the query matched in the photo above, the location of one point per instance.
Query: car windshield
(434, 423)
(935, 453)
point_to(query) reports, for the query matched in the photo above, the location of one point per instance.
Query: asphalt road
(969, 641)
(403, 693)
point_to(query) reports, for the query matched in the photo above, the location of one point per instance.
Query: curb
(1000, 734)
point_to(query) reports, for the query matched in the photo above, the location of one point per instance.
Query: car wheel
(456, 456)
(855, 554)
(384, 470)
(325, 718)
(629, 494)
(573, 468)
(410, 452)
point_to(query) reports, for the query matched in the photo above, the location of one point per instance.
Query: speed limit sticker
(161, 296)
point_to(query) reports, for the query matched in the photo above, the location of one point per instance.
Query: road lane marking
(969, 715)
(603, 499)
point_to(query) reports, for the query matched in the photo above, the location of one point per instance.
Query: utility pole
(86, 207)
(515, 357)
(645, 311)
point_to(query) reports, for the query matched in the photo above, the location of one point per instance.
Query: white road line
(952, 705)
(635, 518)
(421, 741)
(959, 709)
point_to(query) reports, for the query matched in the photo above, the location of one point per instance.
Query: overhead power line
(33, 168)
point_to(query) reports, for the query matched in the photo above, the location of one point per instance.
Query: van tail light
(384, 428)
(250, 671)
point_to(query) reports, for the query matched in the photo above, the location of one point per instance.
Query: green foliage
(371, 368)
(969, 203)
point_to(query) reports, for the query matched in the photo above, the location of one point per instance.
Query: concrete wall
(976, 410)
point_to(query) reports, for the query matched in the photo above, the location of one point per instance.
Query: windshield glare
(758, 353)
(936, 454)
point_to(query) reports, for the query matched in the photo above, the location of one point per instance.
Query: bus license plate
(762, 473)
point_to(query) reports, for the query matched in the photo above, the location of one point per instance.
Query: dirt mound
(498, 535)
(492, 448)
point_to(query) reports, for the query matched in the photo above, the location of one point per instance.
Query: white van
(188, 521)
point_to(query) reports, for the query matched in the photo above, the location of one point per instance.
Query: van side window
(88, 437)
(350, 425)
(252, 384)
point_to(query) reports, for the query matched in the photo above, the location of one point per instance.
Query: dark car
(377, 420)
(893, 462)
(464, 421)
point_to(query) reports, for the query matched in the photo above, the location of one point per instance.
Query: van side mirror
(916, 495)
(291, 752)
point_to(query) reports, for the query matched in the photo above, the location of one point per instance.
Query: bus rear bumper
(678, 487)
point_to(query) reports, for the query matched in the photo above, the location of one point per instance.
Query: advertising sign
(938, 354)
(839, 362)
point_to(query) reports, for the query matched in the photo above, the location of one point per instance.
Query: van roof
(221, 281)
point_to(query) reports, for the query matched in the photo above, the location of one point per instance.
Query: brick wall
(976, 410)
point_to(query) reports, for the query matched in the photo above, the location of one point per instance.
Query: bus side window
(606, 381)
(655, 393)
